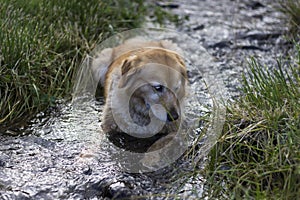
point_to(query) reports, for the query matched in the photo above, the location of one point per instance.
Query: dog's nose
(172, 115)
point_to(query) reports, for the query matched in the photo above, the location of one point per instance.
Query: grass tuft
(258, 154)
(291, 8)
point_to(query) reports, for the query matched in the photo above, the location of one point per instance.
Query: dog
(145, 84)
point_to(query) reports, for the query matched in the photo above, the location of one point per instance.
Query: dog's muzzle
(172, 115)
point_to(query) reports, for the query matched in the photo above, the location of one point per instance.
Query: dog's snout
(172, 115)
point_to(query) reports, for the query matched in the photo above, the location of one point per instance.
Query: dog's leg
(161, 152)
(100, 65)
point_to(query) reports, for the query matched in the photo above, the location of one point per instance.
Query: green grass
(291, 8)
(258, 153)
(43, 43)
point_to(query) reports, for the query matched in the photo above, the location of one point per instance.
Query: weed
(258, 154)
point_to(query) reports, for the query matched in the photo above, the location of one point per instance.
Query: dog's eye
(158, 88)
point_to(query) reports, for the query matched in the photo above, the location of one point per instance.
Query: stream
(65, 155)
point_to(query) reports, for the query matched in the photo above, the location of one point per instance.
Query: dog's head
(157, 79)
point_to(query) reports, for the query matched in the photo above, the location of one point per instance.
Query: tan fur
(134, 67)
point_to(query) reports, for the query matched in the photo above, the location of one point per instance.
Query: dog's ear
(183, 72)
(127, 72)
(125, 67)
(182, 66)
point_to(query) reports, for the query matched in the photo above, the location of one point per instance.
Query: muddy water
(63, 155)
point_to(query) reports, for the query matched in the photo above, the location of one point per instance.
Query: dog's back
(104, 58)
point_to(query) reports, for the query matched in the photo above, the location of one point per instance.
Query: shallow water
(64, 154)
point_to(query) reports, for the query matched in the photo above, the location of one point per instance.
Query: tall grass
(42, 43)
(258, 154)
(291, 8)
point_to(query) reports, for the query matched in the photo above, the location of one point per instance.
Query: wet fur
(124, 67)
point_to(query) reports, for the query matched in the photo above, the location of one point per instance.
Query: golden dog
(144, 87)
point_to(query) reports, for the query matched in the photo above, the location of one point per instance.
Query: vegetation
(258, 154)
(291, 8)
(43, 43)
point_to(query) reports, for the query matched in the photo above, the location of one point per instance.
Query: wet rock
(170, 5)
(3, 159)
(250, 47)
(255, 5)
(198, 27)
(41, 142)
(194, 76)
(119, 190)
(221, 45)
(2, 163)
(16, 195)
(95, 189)
(258, 35)
(88, 171)
(108, 188)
